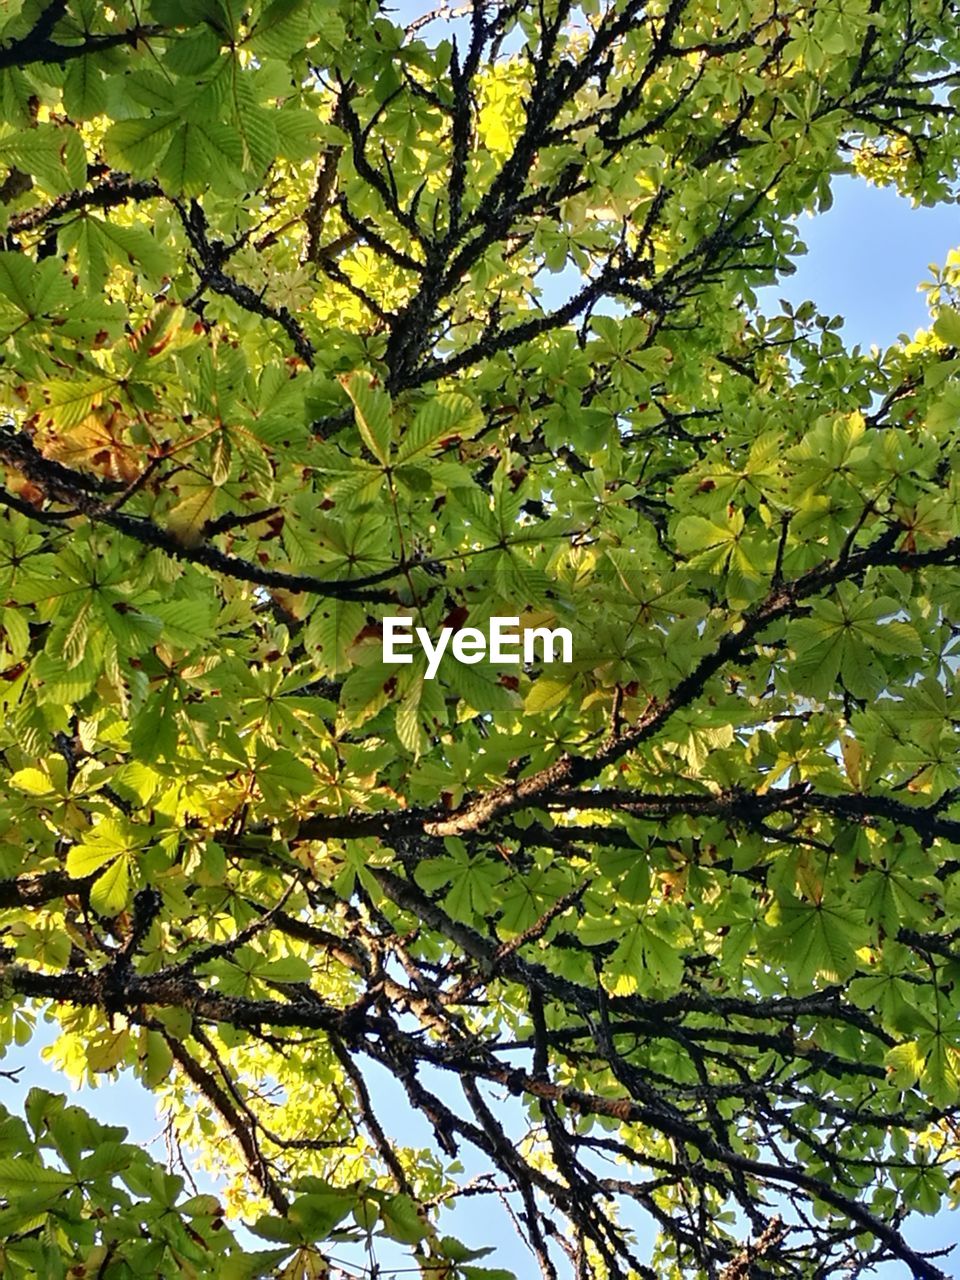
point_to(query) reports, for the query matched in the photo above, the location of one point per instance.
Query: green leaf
(34, 781)
(158, 1059)
(373, 413)
(110, 891)
(108, 840)
(947, 326)
(445, 416)
(401, 1220)
(135, 144)
(187, 519)
(71, 400)
(643, 961)
(547, 693)
(816, 938)
(318, 1212)
(20, 1176)
(283, 29)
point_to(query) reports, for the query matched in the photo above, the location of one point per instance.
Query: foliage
(50, 1219)
(307, 319)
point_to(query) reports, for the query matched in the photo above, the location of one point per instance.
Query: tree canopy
(308, 319)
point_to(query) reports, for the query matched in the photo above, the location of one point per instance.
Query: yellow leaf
(33, 781)
(96, 443)
(158, 1058)
(852, 756)
(83, 859)
(372, 410)
(108, 896)
(186, 520)
(107, 1052)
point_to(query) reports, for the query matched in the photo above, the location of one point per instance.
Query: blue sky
(865, 259)
(866, 256)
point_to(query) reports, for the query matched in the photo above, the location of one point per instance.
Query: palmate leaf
(896, 894)
(200, 154)
(522, 900)
(643, 961)
(35, 297)
(709, 544)
(32, 288)
(100, 244)
(108, 840)
(817, 939)
(931, 1059)
(846, 638)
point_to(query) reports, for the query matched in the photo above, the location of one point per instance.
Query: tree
(309, 320)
